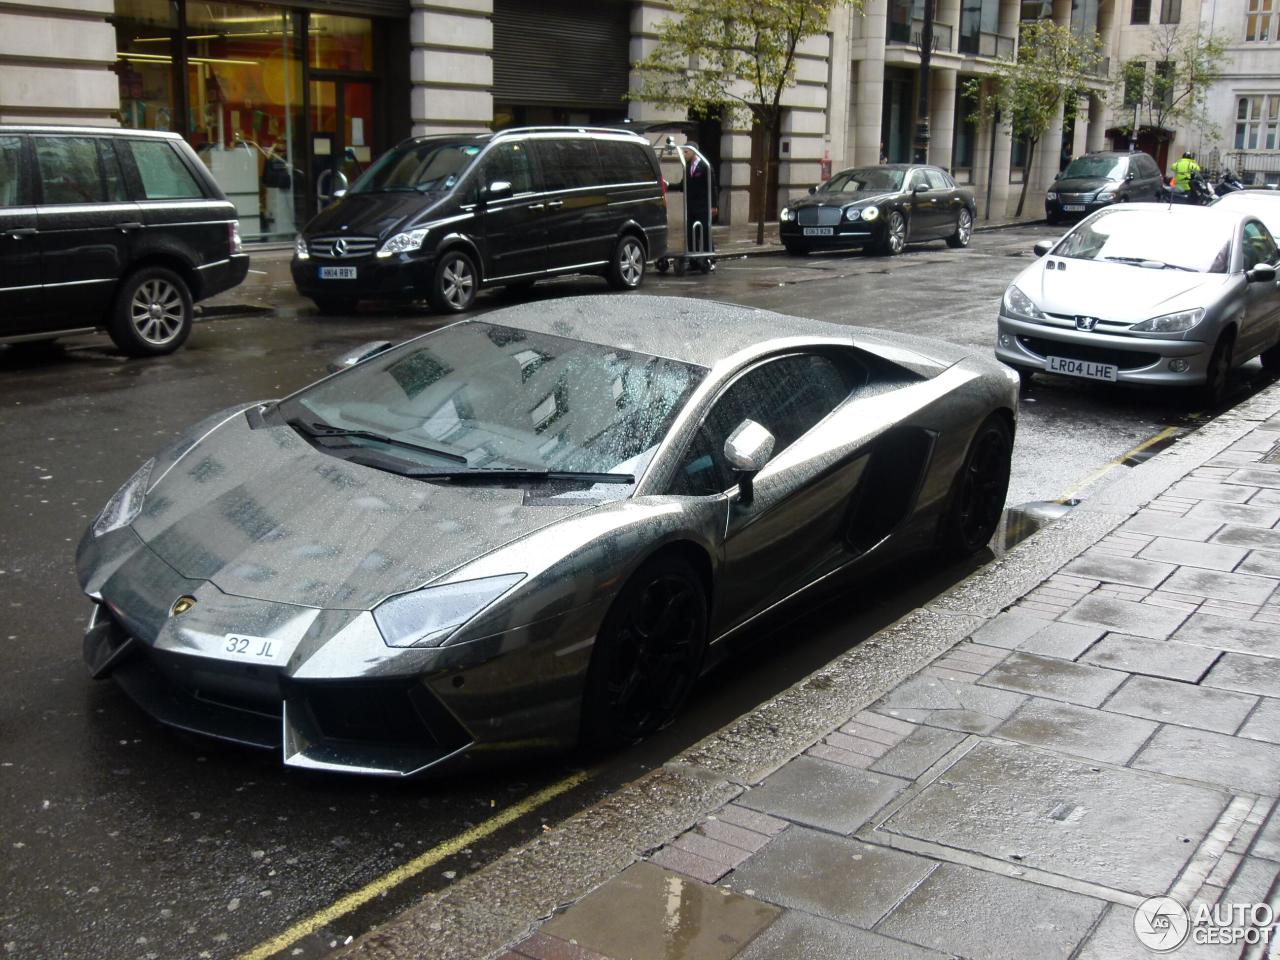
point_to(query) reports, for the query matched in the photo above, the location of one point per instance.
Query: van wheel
(454, 288)
(626, 269)
(152, 314)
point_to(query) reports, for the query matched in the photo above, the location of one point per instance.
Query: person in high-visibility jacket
(1183, 170)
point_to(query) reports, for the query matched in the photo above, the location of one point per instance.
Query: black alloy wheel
(981, 486)
(454, 288)
(647, 655)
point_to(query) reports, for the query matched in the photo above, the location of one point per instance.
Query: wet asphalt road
(121, 839)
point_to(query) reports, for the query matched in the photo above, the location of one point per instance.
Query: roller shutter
(572, 53)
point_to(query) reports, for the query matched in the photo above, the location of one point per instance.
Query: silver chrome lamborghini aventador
(529, 528)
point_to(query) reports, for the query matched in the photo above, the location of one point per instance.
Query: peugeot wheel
(1217, 374)
(895, 234)
(647, 654)
(964, 230)
(1271, 359)
(977, 499)
(454, 287)
(626, 269)
(152, 314)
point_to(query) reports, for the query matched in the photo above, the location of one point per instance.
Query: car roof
(607, 133)
(704, 332)
(84, 130)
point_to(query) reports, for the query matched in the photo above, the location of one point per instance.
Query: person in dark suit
(699, 188)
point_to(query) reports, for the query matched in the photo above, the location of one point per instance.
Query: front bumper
(846, 233)
(1056, 209)
(405, 276)
(1026, 346)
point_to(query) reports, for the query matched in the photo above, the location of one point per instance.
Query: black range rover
(110, 229)
(439, 217)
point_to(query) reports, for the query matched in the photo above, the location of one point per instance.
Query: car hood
(371, 214)
(842, 199)
(262, 514)
(1117, 291)
(1083, 184)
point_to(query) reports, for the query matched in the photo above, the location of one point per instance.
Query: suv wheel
(152, 314)
(454, 287)
(626, 269)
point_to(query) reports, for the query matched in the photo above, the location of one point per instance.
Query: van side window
(10, 171)
(510, 162)
(69, 170)
(569, 163)
(625, 162)
(164, 175)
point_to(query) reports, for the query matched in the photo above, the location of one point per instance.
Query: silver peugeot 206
(530, 529)
(1147, 293)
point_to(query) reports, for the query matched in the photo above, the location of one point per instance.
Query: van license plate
(819, 231)
(1073, 207)
(1082, 368)
(337, 273)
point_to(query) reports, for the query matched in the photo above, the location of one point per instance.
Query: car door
(792, 530)
(577, 212)
(20, 294)
(179, 214)
(949, 202)
(1262, 300)
(514, 227)
(85, 224)
(923, 204)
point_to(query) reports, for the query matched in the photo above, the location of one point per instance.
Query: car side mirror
(1058, 175)
(359, 354)
(498, 190)
(748, 450)
(1262, 273)
(919, 188)
(1042, 247)
(813, 190)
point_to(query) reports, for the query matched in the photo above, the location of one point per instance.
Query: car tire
(663, 264)
(647, 655)
(334, 306)
(1271, 359)
(964, 231)
(152, 313)
(1217, 375)
(626, 268)
(796, 249)
(977, 498)
(894, 240)
(453, 288)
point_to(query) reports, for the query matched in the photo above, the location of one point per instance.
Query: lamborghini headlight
(405, 242)
(426, 617)
(1170, 322)
(1018, 304)
(126, 504)
(870, 213)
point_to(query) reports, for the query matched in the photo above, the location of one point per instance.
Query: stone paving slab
(1224, 633)
(1156, 658)
(1239, 587)
(1241, 535)
(1264, 722)
(918, 752)
(1156, 524)
(1169, 701)
(1245, 674)
(945, 703)
(1079, 731)
(1126, 616)
(800, 936)
(1215, 556)
(1141, 573)
(1239, 764)
(1064, 640)
(823, 794)
(1054, 679)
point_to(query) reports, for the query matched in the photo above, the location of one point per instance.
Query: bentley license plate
(1073, 207)
(819, 231)
(1082, 368)
(337, 273)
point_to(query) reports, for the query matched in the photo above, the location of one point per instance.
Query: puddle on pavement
(1019, 522)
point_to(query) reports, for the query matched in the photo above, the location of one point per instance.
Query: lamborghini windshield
(478, 397)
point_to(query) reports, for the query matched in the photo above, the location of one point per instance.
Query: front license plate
(241, 646)
(819, 231)
(337, 273)
(1073, 207)
(1082, 368)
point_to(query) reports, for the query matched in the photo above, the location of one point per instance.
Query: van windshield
(431, 166)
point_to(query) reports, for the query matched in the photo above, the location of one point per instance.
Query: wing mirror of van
(498, 190)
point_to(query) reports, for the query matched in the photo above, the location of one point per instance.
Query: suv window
(624, 162)
(510, 162)
(937, 180)
(10, 171)
(164, 175)
(788, 396)
(112, 176)
(569, 163)
(69, 170)
(1258, 246)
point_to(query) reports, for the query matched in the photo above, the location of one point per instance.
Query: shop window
(164, 176)
(69, 170)
(340, 43)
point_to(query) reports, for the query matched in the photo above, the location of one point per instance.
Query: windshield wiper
(519, 473)
(1140, 261)
(324, 431)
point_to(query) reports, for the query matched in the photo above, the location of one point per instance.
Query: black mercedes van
(439, 217)
(104, 228)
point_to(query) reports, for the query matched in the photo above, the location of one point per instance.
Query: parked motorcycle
(1201, 193)
(1228, 182)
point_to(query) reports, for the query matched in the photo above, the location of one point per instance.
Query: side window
(69, 170)
(916, 179)
(164, 175)
(624, 162)
(510, 162)
(567, 164)
(111, 174)
(937, 180)
(1258, 246)
(788, 396)
(10, 171)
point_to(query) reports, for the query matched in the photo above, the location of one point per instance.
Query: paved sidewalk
(1100, 725)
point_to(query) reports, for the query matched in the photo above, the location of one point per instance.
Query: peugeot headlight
(787, 215)
(870, 213)
(403, 242)
(1170, 322)
(300, 249)
(852, 213)
(1051, 195)
(1018, 304)
(126, 504)
(426, 617)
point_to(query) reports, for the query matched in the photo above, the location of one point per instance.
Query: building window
(1170, 11)
(1135, 78)
(1140, 12)
(1260, 20)
(1084, 17)
(1257, 122)
(1162, 83)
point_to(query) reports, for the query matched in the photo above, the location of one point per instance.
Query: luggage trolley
(700, 254)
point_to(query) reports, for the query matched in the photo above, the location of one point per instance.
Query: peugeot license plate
(1073, 207)
(1082, 368)
(337, 273)
(819, 231)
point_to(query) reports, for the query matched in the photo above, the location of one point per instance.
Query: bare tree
(1166, 87)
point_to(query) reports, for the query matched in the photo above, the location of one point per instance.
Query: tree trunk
(1026, 174)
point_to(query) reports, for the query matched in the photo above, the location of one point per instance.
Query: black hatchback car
(884, 208)
(439, 217)
(1097, 180)
(110, 229)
